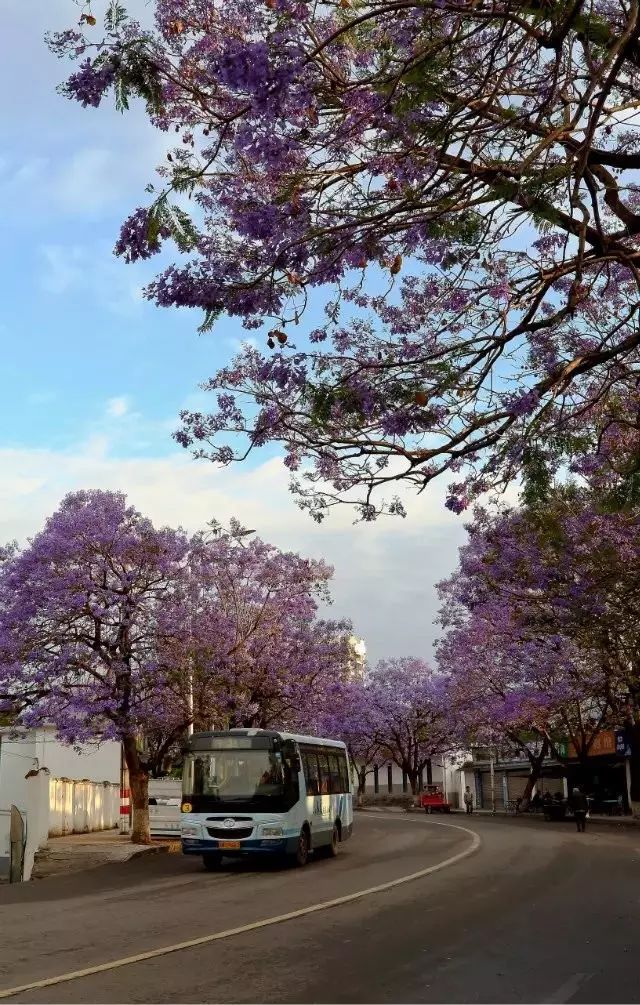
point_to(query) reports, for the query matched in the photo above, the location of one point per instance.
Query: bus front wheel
(212, 861)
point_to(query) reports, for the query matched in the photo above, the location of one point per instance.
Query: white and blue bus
(263, 792)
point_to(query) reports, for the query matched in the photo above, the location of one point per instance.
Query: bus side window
(344, 773)
(334, 768)
(310, 767)
(325, 776)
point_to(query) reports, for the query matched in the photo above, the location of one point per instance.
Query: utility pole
(190, 708)
(190, 726)
(125, 795)
(493, 781)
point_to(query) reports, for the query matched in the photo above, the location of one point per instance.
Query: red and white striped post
(125, 797)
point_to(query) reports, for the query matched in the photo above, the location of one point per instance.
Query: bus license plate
(230, 845)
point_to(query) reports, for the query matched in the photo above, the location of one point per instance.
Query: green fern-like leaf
(122, 94)
(182, 230)
(210, 317)
(115, 16)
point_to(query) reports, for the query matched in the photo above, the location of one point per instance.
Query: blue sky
(80, 332)
(94, 375)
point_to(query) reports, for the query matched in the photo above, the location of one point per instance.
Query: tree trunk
(362, 780)
(413, 777)
(362, 784)
(535, 770)
(139, 785)
(525, 798)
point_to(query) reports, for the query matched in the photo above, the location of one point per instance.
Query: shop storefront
(604, 775)
(510, 780)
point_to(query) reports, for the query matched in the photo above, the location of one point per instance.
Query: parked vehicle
(263, 792)
(433, 801)
(554, 807)
(164, 807)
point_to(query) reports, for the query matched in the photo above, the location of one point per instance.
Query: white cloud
(384, 572)
(94, 449)
(95, 160)
(117, 407)
(195, 401)
(91, 180)
(95, 272)
(63, 267)
(238, 344)
(33, 169)
(88, 181)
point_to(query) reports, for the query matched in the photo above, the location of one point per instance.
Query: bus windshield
(239, 779)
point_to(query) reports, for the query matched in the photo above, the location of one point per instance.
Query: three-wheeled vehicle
(433, 801)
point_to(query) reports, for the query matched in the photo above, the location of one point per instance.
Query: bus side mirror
(292, 755)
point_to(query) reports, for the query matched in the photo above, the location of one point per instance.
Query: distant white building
(386, 778)
(358, 657)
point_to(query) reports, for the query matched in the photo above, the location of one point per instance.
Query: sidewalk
(594, 818)
(623, 821)
(76, 852)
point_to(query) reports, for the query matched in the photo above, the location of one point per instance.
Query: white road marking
(567, 990)
(203, 940)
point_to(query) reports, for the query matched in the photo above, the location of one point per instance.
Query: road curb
(138, 850)
(619, 822)
(382, 809)
(76, 863)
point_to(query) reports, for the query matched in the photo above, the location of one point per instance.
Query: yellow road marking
(203, 940)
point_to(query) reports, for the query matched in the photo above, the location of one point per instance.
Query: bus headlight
(190, 831)
(271, 832)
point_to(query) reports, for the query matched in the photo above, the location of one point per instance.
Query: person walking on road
(468, 799)
(580, 807)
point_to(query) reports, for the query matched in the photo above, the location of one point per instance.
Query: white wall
(17, 757)
(95, 762)
(437, 773)
(78, 807)
(71, 790)
(5, 842)
(39, 748)
(444, 772)
(37, 801)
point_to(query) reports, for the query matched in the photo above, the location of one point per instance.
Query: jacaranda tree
(83, 618)
(541, 617)
(113, 629)
(413, 722)
(398, 711)
(453, 181)
(281, 657)
(354, 717)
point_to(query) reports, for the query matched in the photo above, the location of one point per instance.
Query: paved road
(537, 914)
